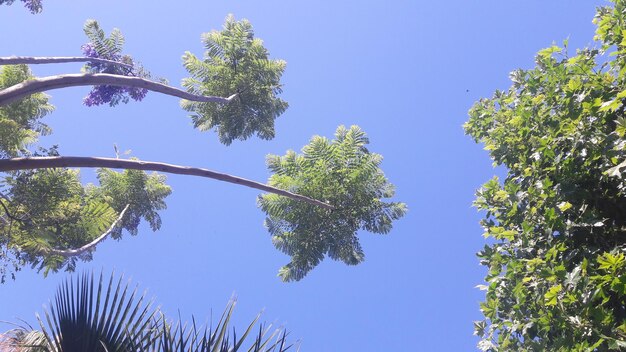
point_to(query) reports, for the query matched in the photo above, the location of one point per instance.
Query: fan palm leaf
(120, 322)
(90, 314)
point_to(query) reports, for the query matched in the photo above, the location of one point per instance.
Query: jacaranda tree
(317, 201)
(556, 277)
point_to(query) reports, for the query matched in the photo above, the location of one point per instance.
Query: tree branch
(43, 84)
(6, 209)
(77, 161)
(34, 60)
(8, 213)
(74, 252)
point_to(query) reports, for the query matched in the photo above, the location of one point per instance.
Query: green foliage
(235, 63)
(144, 192)
(45, 214)
(110, 48)
(93, 315)
(341, 172)
(107, 47)
(19, 121)
(50, 209)
(556, 271)
(46, 210)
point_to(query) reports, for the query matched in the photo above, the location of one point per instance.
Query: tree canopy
(556, 260)
(317, 203)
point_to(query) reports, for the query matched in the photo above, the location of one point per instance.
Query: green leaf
(620, 126)
(564, 206)
(611, 105)
(548, 52)
(550, 298)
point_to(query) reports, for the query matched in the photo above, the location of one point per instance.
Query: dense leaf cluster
(50, 209)
(343, 173)
(556, 269)
(20, 123)
(235, 62)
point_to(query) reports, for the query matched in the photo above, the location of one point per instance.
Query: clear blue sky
(405, 71)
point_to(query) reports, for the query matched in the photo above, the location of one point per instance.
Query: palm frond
(22, 339)
(103, 316)
(75, 323)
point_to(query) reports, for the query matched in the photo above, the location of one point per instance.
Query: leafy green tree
(556, 277)
(49, 220)
(97, 315)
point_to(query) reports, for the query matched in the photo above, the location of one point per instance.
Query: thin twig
(43, 84)
(9, 215)
(6, 209)
(35, 60)
(78, 161)
(89, 246)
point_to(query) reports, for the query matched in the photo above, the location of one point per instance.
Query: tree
(51, 220)
(556, 264)
(93, 315)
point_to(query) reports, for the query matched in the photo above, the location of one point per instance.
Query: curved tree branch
(34, 60)
(8, 213)
(43, 84)
(74, 252)
(6, 209)
(77, 161)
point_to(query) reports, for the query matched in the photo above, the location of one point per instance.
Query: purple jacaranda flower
(33, 5)
(137, 93)
(89, 50)
(111, 95)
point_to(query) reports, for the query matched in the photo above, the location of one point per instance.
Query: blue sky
(405, 71)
